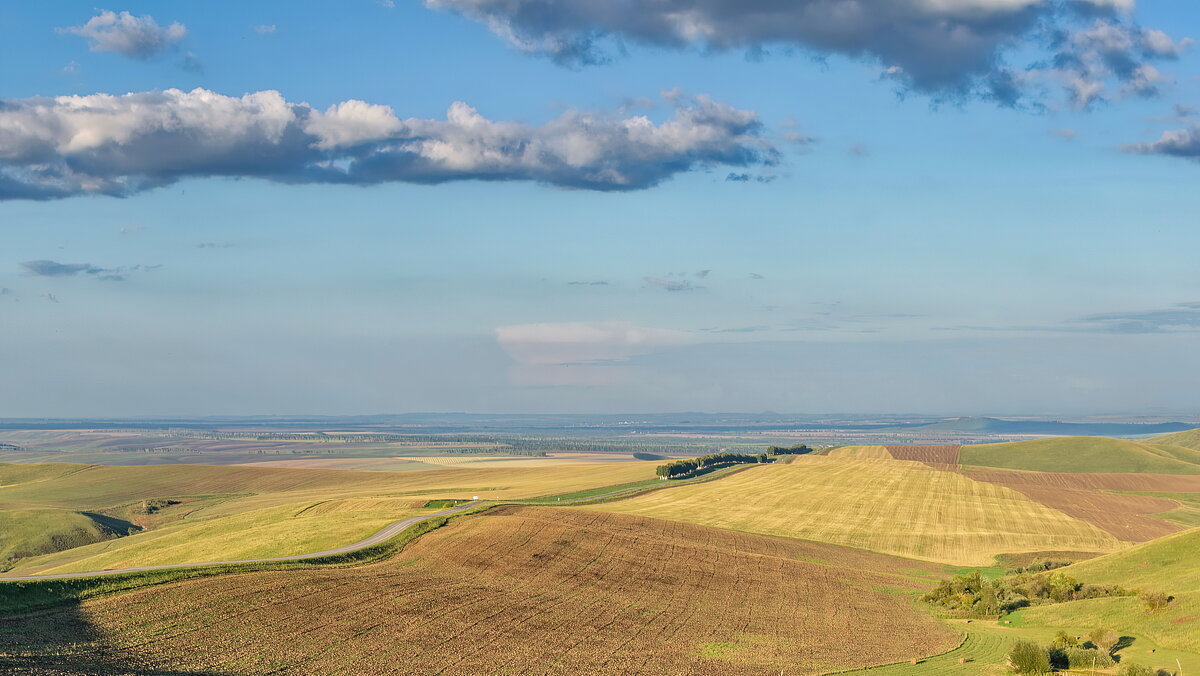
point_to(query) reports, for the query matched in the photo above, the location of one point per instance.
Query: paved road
(387, 533)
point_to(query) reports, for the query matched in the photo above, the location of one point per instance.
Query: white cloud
(122, 144)
(265, 29)
(138, 37)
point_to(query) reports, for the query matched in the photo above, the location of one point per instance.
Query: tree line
(682, 468)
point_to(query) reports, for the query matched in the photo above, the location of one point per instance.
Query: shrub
(1082, 658)
(1155, 601)
(1131, 669)
(1025, 657)
(1104, 640)
(1064, 640)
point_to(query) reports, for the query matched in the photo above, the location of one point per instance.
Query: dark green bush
(1025, 657)
(1081, 658)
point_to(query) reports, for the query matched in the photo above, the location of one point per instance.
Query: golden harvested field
(897, 507)
(861, 452)
(229, 512)
(519, 590)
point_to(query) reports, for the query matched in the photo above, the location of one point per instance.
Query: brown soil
(1086, 497)
(940, 457)
(515, 591)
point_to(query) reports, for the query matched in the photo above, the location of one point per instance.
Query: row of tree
(794, 449)
(682, 468)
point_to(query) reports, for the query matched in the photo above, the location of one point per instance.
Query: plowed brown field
(1085, 497)
(941, 457)
(519, 590)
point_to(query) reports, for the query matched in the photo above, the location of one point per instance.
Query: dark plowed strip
(938, 457)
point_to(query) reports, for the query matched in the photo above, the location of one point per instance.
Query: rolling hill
(1187, 439)
(1168, 565)
(212, 511)
(897, 507)
(1084, 454)
(516, 590)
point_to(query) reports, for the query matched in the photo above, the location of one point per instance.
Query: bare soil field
(1086, 497)
(519, 590)
(938, 457)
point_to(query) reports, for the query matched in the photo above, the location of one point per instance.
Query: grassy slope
(1187, 439)
(1084, 454)
(248, 512)
(1170, 565)
(903, 508)
(274, 531)
(29, 532)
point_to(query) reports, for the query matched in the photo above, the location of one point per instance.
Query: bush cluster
(972, 596)
(681, 468)
(1073, 653)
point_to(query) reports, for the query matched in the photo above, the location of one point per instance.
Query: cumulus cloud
(579, 353)
(123, 144)
(944, 47)
(138, 37)
(1088, 59)
(1183, 143)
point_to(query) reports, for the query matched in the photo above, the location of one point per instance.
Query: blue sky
(904, 240)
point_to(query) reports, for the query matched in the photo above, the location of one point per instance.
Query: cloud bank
(138, 37)
(45, 268)
(950, 48)
(123, 144)
(578, 353)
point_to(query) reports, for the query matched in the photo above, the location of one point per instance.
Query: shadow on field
(63, 641)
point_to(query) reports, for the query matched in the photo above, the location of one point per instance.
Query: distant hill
(1052, 427)
(1188, 439)
(1085, 454)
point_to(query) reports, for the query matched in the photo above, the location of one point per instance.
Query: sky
(904, 206)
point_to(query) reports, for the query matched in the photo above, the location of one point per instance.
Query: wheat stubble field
(518, 590)
(904, 508)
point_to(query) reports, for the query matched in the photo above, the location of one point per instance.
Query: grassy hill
(516, 590)
(30, 532)
(1187, 439)
(1084, 454)
(897, 507)
(222, 512)
(1169, 565)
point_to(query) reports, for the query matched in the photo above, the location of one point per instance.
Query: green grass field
(1084, 454)
(896, 507)
(1169, 565)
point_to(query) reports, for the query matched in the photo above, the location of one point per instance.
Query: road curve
(388, 532)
